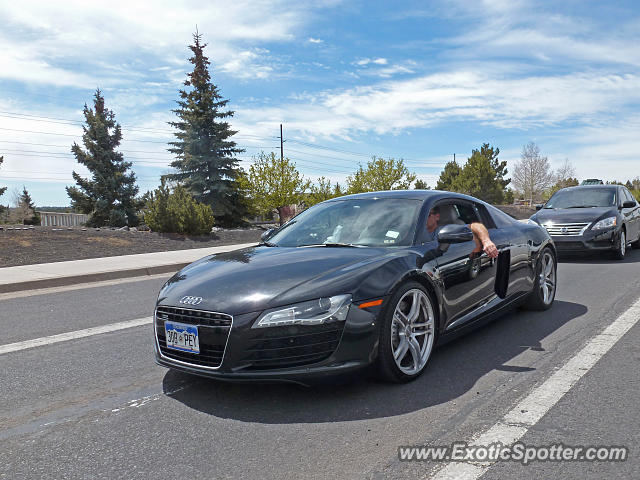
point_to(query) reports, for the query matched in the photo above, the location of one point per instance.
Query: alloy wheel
(412, 331)
(547, 280)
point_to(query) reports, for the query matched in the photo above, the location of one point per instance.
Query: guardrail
(57, 219)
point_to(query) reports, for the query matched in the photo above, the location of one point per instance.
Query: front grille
(213, 332)
(563, 229)
(280, 347)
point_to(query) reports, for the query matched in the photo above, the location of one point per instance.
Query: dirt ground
(49, 244)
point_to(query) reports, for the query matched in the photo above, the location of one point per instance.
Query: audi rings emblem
(188, 300)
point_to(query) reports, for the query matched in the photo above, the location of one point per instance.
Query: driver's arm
(482, 239)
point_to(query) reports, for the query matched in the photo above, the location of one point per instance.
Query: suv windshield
(380, 222)
(583, 198)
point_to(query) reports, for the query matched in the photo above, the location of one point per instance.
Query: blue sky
(413, 80)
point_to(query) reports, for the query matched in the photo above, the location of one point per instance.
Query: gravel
(27, 246)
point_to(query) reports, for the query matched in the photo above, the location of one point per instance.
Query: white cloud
(59, 43)
(315, 40)
(366, 61)
(461, 96)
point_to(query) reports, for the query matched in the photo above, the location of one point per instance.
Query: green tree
(2, 189)
(321, 191)
(380, 174)
(273, 183)
(500, 167)
(448, 175)
(565, 182)
(109, 196)
(478, 179)
(177, 212)
(27, 202)
(421, 185)
(508, 196)
(205, 155)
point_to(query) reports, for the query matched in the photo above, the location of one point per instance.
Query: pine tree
(204, 152)
(27, 202)
(109, 196)
(448, 175)
(478, 179)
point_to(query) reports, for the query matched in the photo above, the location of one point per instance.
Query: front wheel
(621, 248)
(544, 288)
(408, 332)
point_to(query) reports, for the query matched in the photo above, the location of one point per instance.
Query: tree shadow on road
(453, 370)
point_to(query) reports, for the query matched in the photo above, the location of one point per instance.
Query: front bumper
(591, 240)
(289, 353)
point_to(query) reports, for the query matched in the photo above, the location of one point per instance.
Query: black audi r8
(351, 282)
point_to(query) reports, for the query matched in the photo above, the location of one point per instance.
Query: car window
(585, 197)
(456, 213)
(501, 219)
(628, 194)
(367, 222)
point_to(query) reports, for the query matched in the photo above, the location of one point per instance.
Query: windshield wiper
(332, 244)
(583, 206)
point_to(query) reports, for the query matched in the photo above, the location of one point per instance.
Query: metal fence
(57, 219)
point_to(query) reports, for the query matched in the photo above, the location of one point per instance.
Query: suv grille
(213, 331)
(559, 229)
(280, 347)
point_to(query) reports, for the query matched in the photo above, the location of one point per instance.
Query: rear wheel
(544, 288)
(636, 244)
(620, 249)
(408, 333)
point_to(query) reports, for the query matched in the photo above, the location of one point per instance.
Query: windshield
(583, 198)
(381, 222)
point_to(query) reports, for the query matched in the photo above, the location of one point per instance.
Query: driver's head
(433, 219)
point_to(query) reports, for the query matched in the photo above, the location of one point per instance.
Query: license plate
(182, 337)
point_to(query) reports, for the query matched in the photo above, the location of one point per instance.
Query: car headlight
(312, 312)
(605, 223)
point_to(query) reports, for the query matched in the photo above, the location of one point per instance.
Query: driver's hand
(490, 249)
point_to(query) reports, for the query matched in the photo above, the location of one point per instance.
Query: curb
(91, 277)
(60, 274)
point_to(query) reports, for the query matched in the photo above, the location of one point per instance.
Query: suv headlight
(312, 312)
(605, 223)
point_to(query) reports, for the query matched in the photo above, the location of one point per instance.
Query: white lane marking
(63, 337)
(535, 405)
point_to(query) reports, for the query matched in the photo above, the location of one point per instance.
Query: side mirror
(266, 234)
(455, 234)
(539, 206)
(629, 204)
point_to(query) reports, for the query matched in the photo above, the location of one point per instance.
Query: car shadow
(599, 258)
(453, 370)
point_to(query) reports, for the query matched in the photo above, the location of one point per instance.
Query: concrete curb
(36, 276)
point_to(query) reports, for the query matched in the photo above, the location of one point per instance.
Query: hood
(262, 277)
(573, 215)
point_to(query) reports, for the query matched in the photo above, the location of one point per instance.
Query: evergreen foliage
(205, 156)
(448, 175)
(177, 212)
(27, 203)
(109, 195)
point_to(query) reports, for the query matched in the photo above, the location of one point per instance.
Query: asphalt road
(99, 407)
